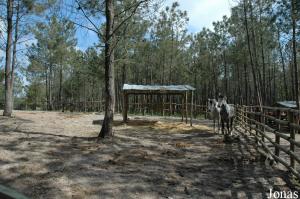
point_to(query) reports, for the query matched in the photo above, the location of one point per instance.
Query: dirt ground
(55, 155)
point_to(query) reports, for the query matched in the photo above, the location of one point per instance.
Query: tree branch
(127, 18)
(87, 17)
(83, 26)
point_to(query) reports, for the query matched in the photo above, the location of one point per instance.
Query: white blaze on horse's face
(224, 108)
(221, 101)
(209, 105)
(212, 103)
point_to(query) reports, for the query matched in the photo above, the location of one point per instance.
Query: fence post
(247, 117)
(182, 106)
(263, 120)
(170, 107)
(292, 137)
(163, 105)
(186, 107)
(277, 138)
(238, 112)
(205, 109)
(257, 119)
(244, 108)
(243, 116)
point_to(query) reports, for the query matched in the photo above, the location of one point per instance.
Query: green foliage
(159, 50)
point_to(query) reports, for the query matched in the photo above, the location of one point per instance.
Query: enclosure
(55, 155)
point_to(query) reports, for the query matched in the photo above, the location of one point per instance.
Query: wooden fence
(161, 108)
(167, 109)
(273, 127)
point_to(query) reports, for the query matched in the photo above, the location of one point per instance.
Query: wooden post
(242, 114)
(292, 137)
(143, 104)
(249, 117)
(163, 105)
(277, 138)
(170, 107)
(245, 118)
(125, 106)
(263, 120)
(140, 103)
(205, 109)
(186, 107)
(257, 118)
(191, 119)
(182, 107)
(152, 104)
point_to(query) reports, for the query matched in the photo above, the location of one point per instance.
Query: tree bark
(60, 86)
(258, 75)
(47, 95)
(256, 85)
(107, 125)
(50, 87)
(246, 84)
(14, 60)
(8, 80)
(263, 83)
(283, 66)
(225, 74)
(294, 11)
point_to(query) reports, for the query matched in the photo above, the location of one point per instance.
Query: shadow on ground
(145, 159)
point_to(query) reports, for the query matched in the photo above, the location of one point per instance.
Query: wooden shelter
(286, 104)
(180, 90)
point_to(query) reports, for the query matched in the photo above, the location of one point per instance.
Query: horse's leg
(228, 130)
(222, 123)
(231, 124)
(214, 125)
(218, 125)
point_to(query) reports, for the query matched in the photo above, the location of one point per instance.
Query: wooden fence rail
(269, 126)
(160, 108)
(268, 122)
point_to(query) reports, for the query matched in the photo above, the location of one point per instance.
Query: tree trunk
(256, 86)
(274, 85)
(225, 74)
(14, 60)
(107, 125)
(8, 80)
(246, 84)
(262, 56)
(60, 87)
(254, 53)
(47, 95)
(283, 66)
(50, 87)
(294, 12)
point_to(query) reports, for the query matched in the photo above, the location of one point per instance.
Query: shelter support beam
(182, 107)
(186, 107)
(125, 106)
(191, 117)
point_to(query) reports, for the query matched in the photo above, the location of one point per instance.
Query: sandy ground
(55, 155)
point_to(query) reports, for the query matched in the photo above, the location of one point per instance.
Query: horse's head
(222, 101)
(211, 105)
(222, 104)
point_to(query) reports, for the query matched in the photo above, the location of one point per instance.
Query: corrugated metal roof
(158, 87)
(287, 104)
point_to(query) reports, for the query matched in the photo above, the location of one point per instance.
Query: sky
(201, 14)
